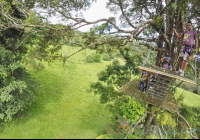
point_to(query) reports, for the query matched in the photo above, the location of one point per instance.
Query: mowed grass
(191, 99)
(68, 112)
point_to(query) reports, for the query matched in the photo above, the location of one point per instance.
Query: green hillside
(190, 98)
(70, 111)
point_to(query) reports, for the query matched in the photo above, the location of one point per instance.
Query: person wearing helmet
(166, 63)
(143, 81)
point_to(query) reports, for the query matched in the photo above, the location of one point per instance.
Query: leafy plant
(107, 58)
(17, 88)
(93, 58)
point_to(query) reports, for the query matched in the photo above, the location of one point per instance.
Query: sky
(96, 11)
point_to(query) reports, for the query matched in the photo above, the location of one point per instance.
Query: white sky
(96, 11)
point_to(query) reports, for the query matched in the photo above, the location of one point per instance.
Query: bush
(17, 88)
(89, 59)
(107, 58)
(97, 58)
(93, 58)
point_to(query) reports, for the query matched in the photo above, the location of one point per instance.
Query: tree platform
(159, 90)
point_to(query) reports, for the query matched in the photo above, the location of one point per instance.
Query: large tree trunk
(178, 42)
(160, 45)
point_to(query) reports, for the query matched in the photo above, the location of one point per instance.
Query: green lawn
(63, 112)
(190, 98)
(70, 111)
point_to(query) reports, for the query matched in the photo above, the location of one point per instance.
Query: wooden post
(67, 62)
(85, 56)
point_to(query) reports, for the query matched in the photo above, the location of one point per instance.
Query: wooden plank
(156, 96)
(160, 86)
(151, 69)
(159, 82)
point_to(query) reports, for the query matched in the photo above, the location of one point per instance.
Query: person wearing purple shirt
(188, 40)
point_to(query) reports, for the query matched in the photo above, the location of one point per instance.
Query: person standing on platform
(188, 40)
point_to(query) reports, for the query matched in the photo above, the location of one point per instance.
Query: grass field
(68, 112)
(190, 98)
(60, 111)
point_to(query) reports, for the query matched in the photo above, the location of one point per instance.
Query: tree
(17, 88)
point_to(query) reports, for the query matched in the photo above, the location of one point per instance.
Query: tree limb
(127, 19)
(98, 44)
(188, 125)
(151, 48)
(135, 125)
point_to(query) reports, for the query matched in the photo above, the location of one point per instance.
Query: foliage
(133, 110)
(17, 88)
(114, 77)
(191, 114)
(166, 119)
(93, 58)
(97, 58)
(188, 87)
(105, 136)
(107, 58)
(159, 22)
(64, 106)
(89, 59)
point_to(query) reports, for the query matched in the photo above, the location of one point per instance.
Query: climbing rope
(153, 54)
(196, 80)
(107, 52)
(146, 57)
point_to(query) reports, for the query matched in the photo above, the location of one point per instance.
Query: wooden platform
(160, 86)
(160, 99)
(165, 72)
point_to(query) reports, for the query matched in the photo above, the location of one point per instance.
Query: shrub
(97, 58)
(17, 88)
(107, 58)
(89, 59)
(93, 58)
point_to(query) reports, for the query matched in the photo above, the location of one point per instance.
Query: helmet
(144, 72)
(169, 58)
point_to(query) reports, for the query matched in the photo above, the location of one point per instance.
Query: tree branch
(81, 20)
(151, 48)
(187, 125)
(135, 125)
(98, 44)
(150, 22)
(143, 29)
(127, 19)
(147, 10)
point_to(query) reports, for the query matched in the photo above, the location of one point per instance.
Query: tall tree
(17, 88)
